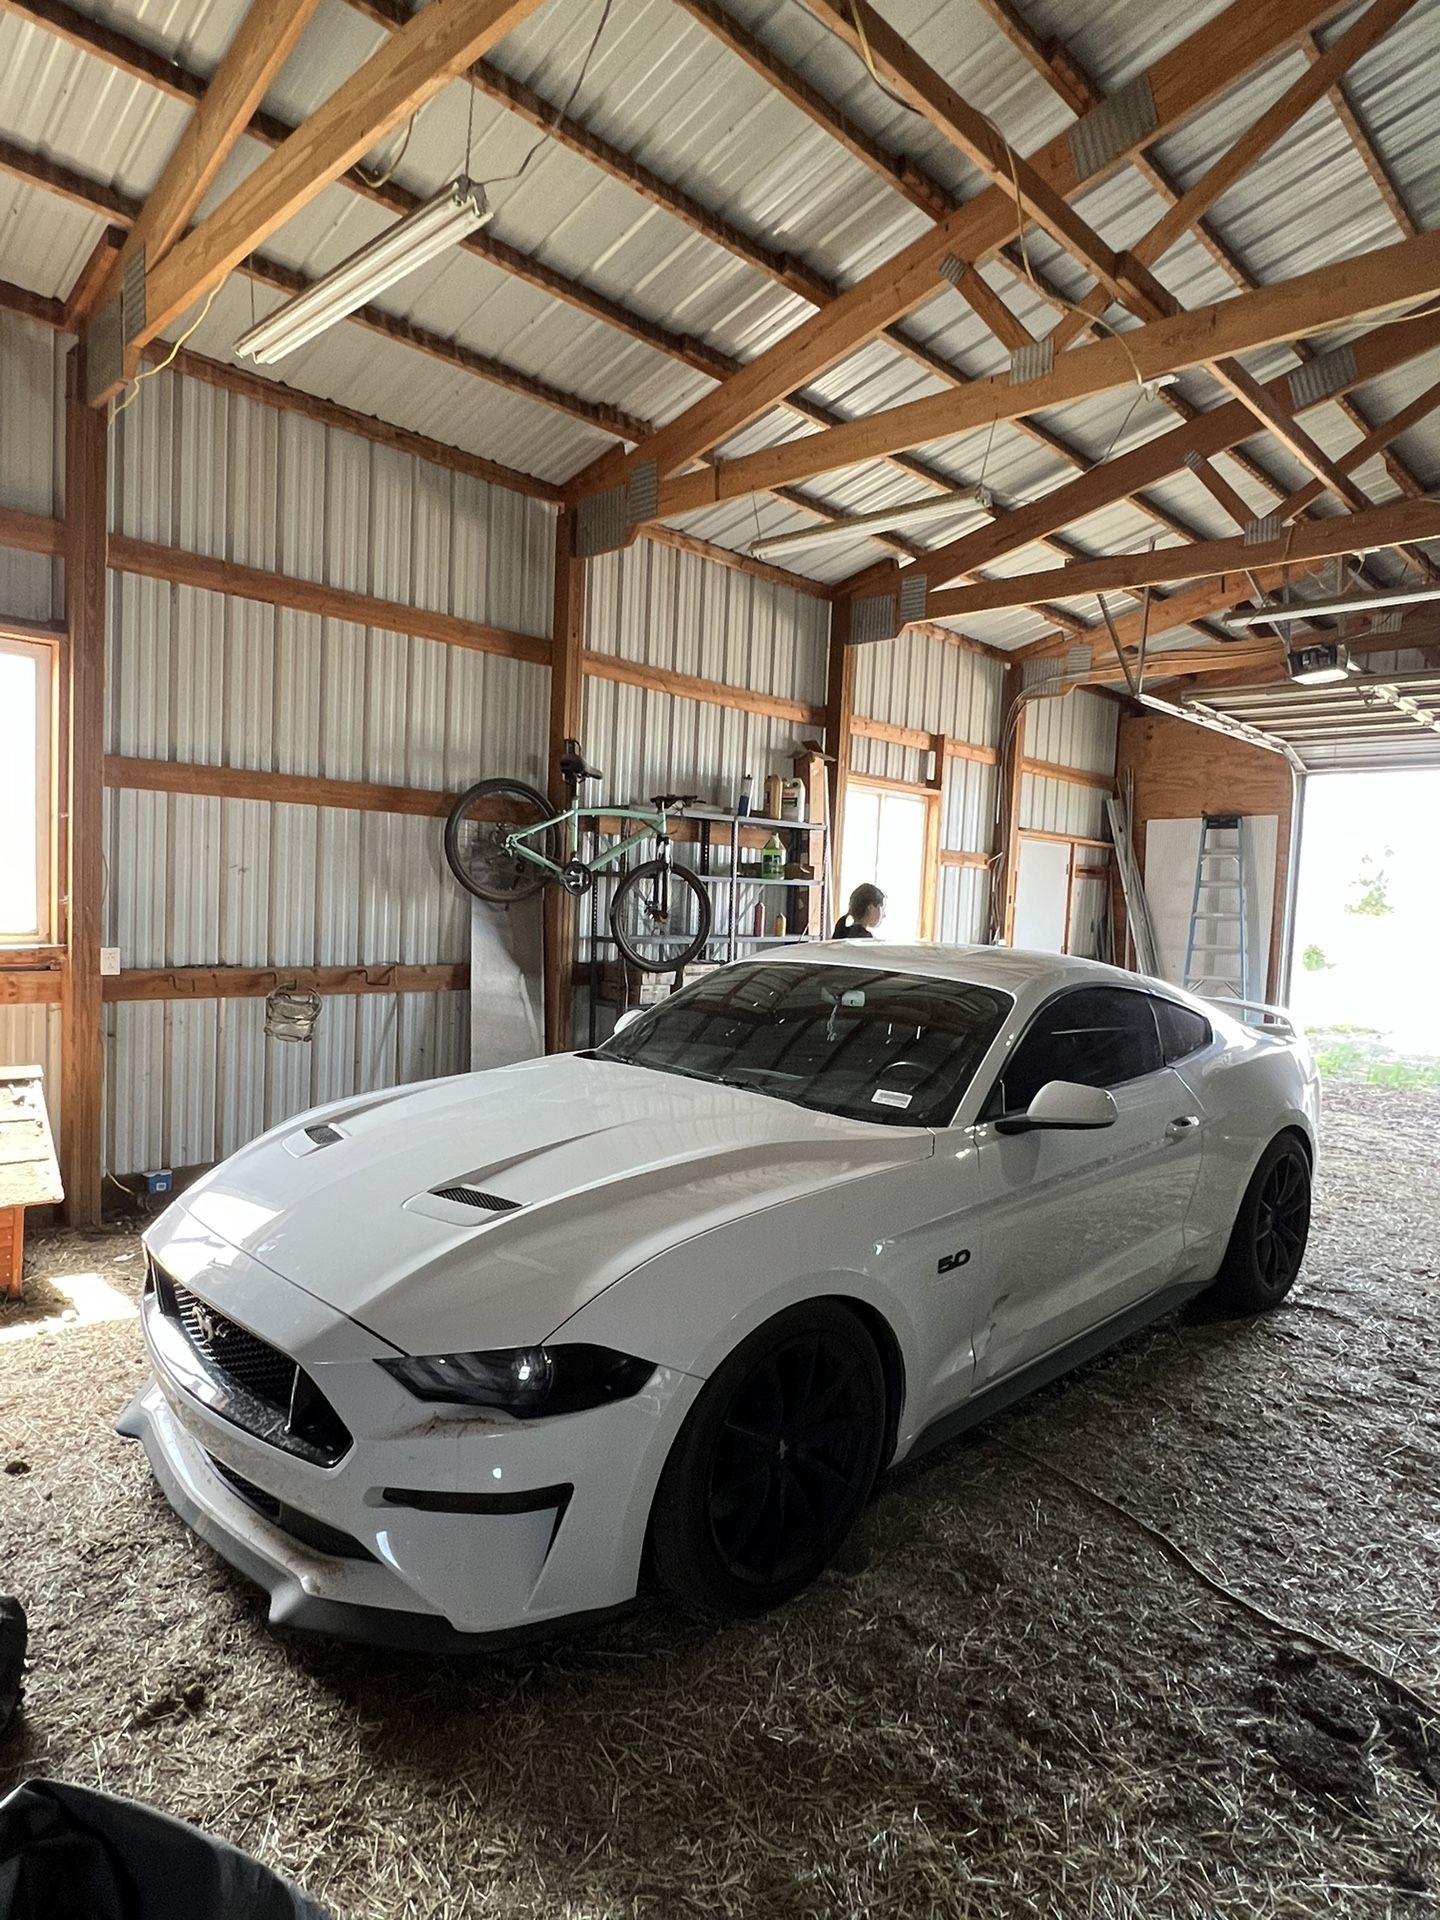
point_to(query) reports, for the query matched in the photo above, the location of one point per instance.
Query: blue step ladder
(1217, 951)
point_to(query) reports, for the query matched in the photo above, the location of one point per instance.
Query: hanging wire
(469, 132)
(499, 179)
(384, 179)
(148, 373)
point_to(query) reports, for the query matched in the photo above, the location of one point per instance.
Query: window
(895, 1048)
(885, 841)
(26, 668)
(1098, 1036)
(1182, 1032)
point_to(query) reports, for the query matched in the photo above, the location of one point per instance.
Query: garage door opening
(1367, 927)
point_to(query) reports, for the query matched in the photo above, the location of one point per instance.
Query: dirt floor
(1012, 1700)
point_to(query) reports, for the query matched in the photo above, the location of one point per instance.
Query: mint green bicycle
(504, 841)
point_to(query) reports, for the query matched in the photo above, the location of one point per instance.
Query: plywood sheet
(29, 1175)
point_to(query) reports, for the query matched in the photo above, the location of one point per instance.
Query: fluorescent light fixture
(1318, 666)
(454, 212)
(978, 499)
(1273, 614)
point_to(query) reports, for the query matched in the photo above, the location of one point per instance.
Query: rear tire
(773, 1465)
(473, 849)
(1267, 1243)
(632, 918)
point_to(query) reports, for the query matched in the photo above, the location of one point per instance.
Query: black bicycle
(504, 842)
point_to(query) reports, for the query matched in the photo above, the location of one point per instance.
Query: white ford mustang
(479, 1356)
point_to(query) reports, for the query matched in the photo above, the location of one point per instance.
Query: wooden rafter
(1298, 545)
(1316, 302)
(262, 43)
(109, 204)
(439, 42)
(1181, 82)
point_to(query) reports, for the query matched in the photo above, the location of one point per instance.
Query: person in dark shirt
(864, 913)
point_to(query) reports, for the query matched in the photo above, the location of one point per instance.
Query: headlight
(524, 1381)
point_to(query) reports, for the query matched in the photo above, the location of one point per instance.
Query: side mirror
(628, 1018)
(1062, 1105)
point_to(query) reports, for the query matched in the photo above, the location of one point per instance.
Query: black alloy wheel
(1271, 1229)
(775, 1463)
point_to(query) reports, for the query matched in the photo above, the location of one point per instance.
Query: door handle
(1178, 1128)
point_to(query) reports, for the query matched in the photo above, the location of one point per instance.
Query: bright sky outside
(1379, 969)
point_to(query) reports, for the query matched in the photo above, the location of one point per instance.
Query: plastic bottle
(774, 796)
(778, 929)
(772, 859)
(794, 799)
(747, 787)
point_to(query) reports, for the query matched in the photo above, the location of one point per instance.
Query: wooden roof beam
(439, 42)
(1181, 82)
(1316, 302)
(262, 43)
(1297, 546)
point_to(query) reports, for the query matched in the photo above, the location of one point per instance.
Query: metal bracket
(642, 496)
(1259, 533)
(1032, 362)
(914, 591)
(1113, 128)
(134, 306)
(873, 619)
(600, 523)
(104, 352)
(1328, 373)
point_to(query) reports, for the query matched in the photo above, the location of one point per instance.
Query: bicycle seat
(662, 802)
(573, 765)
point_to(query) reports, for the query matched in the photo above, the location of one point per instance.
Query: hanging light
(446, 218)
(1358, 602)
(1319, 666)
(856, 526)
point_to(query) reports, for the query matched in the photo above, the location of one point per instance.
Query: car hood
(605, 1165)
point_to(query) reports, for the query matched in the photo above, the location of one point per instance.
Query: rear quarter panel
(1251, 1086)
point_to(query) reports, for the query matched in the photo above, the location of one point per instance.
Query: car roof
(1014, 970)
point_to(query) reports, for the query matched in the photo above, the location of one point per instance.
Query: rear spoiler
(1273, 1019)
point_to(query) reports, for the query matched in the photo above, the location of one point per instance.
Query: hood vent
(473, 1197)
(323, 1135)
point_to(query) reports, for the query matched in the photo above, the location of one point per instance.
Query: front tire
(773, 1465)
(1271, 1229)
(660, 917)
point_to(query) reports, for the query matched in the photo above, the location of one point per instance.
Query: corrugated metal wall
(32, 460)
(925, 682)
(195, 676)
(1076, 730)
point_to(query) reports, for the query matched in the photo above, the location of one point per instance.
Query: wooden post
(81, 1040)
(567, 693)
(839, 715)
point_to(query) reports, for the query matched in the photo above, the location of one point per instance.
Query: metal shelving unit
(722, 834)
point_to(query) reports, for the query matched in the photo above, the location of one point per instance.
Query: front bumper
(431, 1529)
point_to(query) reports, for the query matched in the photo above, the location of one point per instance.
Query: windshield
(896, 1048)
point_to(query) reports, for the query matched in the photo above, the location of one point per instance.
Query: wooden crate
(12, 1251)
(29, 1176)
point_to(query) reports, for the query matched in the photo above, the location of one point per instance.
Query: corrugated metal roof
(664, 89)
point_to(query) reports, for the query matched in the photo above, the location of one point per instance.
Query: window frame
(984, 1117)
(45, 653)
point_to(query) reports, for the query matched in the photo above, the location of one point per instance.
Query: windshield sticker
(883, 1097)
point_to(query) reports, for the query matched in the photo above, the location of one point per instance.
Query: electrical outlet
(109, 962)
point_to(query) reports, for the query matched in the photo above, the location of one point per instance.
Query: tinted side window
(1182, 1032)
(1098, 1036)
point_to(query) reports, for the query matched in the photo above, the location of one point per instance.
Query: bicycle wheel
(660, 917)
(475, 835)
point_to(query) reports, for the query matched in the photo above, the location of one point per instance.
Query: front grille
(300, 1526)
(269, 1394)
(231, 1350)
(473, 1197)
